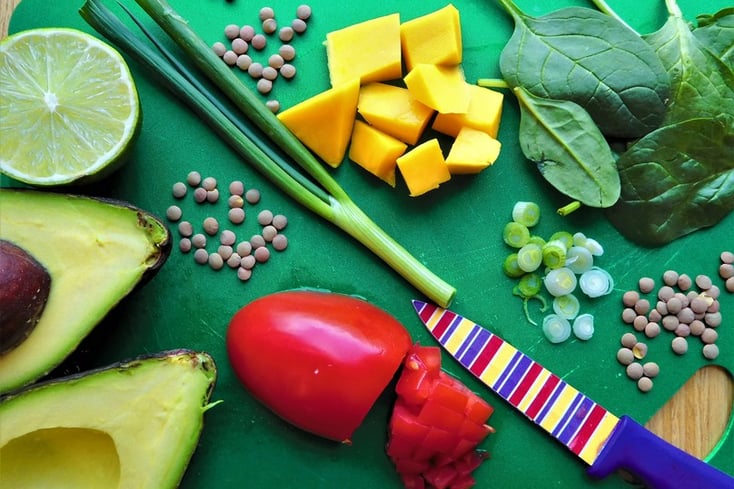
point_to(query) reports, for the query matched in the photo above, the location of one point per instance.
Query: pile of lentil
(240, 255)
(265, 68)
(683, 306)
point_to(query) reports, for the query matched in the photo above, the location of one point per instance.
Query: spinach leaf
(676, 180)
(701, 84)
(569, 150)
(590, 58)
(716, 33)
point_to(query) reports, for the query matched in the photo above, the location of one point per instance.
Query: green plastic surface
(455, 230)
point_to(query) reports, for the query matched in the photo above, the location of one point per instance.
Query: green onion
(596, 249)
(560, 281)
(583, 327)
(526, 213)
(596, 282)
(529, 257)
(515, 234)
(511, 267)
(554, 254)
(564, 237)
(556, 328)
(328, 200)
(579, 259)
(528, 288)
(566, 306)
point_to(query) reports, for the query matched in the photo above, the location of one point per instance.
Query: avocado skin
(64, 232)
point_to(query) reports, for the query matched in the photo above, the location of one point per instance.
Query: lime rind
(69, 108)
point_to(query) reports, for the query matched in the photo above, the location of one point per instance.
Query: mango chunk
(484, 113)
(376, 151)
(369, 50)
(394, 110)
(423, 168)
(434, 38)
(440, 87)
(324, 122)
(472, 151)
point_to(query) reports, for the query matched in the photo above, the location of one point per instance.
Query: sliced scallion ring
(566, 306)
(526, 213)
(554, 254)
(560, 281)
(556, 328)
(529, 257)
(583, 327)
(596, 282)
(579, 259)
(564, 237)
(511, 267)
(515, 234)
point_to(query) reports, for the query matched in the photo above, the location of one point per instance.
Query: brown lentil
(646, 284)
(642, 306)
(303, 12)
(662, 308)
(193, 178)
(299, 26)
(269, 232)
(625, 356)
(644, 384)
(266, 13)
(216, 262)
(628, 315)
(257, 241)
(670, 278)
(212, 195)
(273, 106)
(219, 48)
(244, 62)
(699, 304)
(287, 52)
(630, 298)
(247, 32)
(674, 305)
(697, 327)
(665, 293)
(265, 217)
(225, 251)
(709, 336)
(230, 57)
(236, 215)
(252, 196)
(200, 195)
(679, 345)
(280, 242)
(651, 369)
(235, 201)
(727, 257)
(248, 262)
(264, 86)
(730, 284)
(640, 322)
(234, 260)
(703, 282)
(244, 248)
(684, 282)
(227, 237)
(201, 256)
(683, 329)
(209, 183)
(652, 329)
(198, 240)
(714, 292)
(670, 322)
(654, 316)
(244, 274)
(179, 190)
(686, 315)
(712, 319)
(628, 340)
(710, 351)
(634, 371)
(255, 70)
(280, 221)
(639, 350)
(231, 31)
(262, 254)
(288, 71)
(286, 34)
(259, 42)
(240, 46)
(185, 229)
(174, 213)
(270, 73)
(211, 226)
(269, 26)
(184, 245)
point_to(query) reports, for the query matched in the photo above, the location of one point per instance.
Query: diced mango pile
(380, 115)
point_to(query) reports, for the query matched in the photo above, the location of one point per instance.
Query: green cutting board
(455, 230)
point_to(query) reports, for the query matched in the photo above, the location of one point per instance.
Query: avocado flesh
(130, 425)
(96, 252)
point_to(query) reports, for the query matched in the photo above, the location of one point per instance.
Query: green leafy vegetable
(716, 33)
(570, 152)
(328, 201)
(590, 58)
(676, 180)
(701, 85)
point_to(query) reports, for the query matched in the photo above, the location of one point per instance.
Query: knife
(607, 443)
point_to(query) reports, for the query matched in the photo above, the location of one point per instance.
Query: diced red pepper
(436, 425)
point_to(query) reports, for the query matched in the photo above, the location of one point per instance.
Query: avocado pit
(24, 288)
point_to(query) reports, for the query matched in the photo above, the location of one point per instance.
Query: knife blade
(607, 443)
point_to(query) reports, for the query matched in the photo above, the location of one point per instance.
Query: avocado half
(95, 250)
(130, 425)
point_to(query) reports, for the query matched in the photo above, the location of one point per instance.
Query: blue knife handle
(654, 461)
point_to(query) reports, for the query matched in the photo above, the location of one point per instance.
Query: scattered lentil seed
(709, 336)
(198, 240)
(634, 371)
(628, 340)
(630, 298)
(269, 232)
(710, 351)
(652, 329)
(193, 178)
(236, 215)
(730, 284)
(185, 229)
(273, 106)
(184, 245)
(230, 57)
(662, 308)
(237, 188)
(697, 327)
(646, 284)
(201, 256)
(244, 248)
(288, 71)
(280, 221)
(266, 13)
(209, 183)
(686, 315)
(670, 323)
(628, 315)
(240, 46)
(665, 293)
(280, 242)
(264, 86)
(703, 282)
(642, 306)
(651, 369)
(219, 48)
(286, 34)
(179, 190)
(303, 12)
(248, 262)
(216, 262)
(265, 217)
(684, 282)
(299, 26)
(259, 42)
(644, 384)
(200, 195)
(640, 350)
(227, 237)
(679, 345)
(211, 226)
(674, 305)
(212, 195)
(654, 316)
(247, 32)
(287, 52)
(727, 257)
(712, 319)
(269, 26)
(683, 330)
(270, 73)
(670, 278)
(244, 274)
(174, 213)
(225, 251)
(235, 201)
(640, 322)
(255, 70)
(699, 304)
(234, 260)
(244, 62)
(712, 292)
(262, 254)
(625, 356)
(231, 31)
(257, 241)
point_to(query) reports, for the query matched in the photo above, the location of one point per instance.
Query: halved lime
(68, 107)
